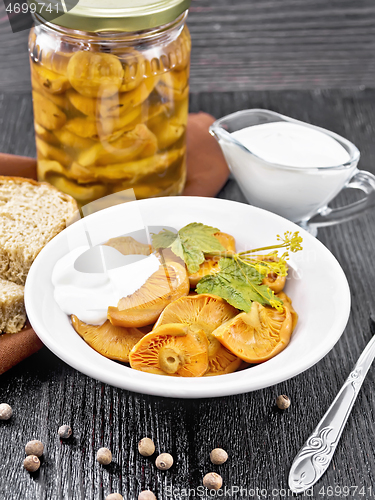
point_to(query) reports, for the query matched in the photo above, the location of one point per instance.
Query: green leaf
(238, 284)
(199, 235)
(164, 239)
(196, 239)
(190, 244)
(191, 255)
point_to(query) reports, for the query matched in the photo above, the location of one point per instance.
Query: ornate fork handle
(316, 454)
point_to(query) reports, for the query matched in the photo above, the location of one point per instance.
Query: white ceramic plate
(317, 286)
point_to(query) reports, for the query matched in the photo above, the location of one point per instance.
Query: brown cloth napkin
(15, 347)
(207, 173)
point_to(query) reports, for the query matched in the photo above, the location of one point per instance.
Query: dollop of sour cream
(293, 145)
(88, 294)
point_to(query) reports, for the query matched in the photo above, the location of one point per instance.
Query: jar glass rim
(118, 16)
(109, 36)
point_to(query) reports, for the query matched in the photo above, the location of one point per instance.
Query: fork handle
(316, 454)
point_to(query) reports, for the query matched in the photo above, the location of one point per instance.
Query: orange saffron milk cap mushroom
(211, 263)
(129, 246)
(227, 240)
(113, 342)
(144, 306)
(205, 312)
(172, 349)
(288, 303)
(272, 280)
(260, 334)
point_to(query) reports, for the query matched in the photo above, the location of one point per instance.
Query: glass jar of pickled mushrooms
(110, 93)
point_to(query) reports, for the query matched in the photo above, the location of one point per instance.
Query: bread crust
(12, 307)
(21, 180)
(31, 214)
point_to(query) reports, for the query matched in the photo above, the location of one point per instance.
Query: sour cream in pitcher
(292, 145)
(288, 168)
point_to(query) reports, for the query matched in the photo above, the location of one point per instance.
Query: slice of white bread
(12, 308)
(31, 214)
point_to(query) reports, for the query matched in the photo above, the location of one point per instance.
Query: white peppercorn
(282, 402)
(104, 456)
(212, 481)
(34, 447)
(64, 432)
(31, 463)
(218, 456)
(164, 461)
(114, 496)
(146, 447)
(146, 495)
(5, 411)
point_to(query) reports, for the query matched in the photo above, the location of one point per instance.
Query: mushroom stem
(169, 360)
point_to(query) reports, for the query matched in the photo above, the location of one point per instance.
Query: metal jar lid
(111, 15)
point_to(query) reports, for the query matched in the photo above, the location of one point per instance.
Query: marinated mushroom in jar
(114, 120)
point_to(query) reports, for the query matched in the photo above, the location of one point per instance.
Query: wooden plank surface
(261, 440)
(254, 44)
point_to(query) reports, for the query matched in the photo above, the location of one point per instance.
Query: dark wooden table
(261, 440)
(254, 45)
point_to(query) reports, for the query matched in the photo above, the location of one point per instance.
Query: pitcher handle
(365, 181)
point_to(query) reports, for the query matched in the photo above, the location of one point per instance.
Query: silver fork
(316, 454)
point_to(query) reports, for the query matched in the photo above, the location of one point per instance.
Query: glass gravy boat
(299, 194)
